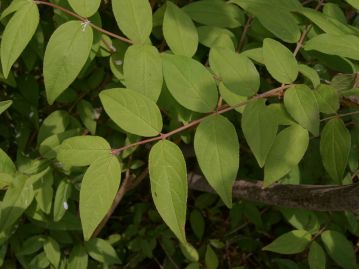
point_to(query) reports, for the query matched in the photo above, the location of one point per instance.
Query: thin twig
(341, 115)
(244, 33)
(224, 109)
(73, 14)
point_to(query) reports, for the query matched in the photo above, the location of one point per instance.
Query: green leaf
(17, 34)
(62, 195)
(52, 251)
(44, 193)
(326, 23)
(353, 3)
(6, 164)
(211, 258)
(217, 149)
(132, 111)
(189, 252)
(339, 248)
(232, 98)
(328, 44)
(290, 243)
(66, 53)
(309, 73)
(5, 105)
(237, 72)
(281, 114)
(301, 104)
(134, 18)
(316, 256)
(279, 61)
(85, 8)
(211, 36)
(335, 143)
(179, 31)
(168, 177)
(98, 190)
(16, 200)
(190, 83)
(259, 127)
(54, 123)
(287, 150)
(197, 223)
(327, 98)
(78, 258)
(31, 245)
(87, 115)
(13, 7)
(101, 251)
(143, 70)
(215, 13)
(275, 16)
(83, 150)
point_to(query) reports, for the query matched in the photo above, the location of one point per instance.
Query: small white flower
(118, 62)
(31, 114)
(66, 206)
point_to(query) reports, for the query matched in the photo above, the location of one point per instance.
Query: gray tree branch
(311, 197)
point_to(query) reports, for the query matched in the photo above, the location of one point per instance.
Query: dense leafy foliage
(109, 109)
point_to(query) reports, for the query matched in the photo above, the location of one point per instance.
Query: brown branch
(311, 197)
(73, 14)
(223, 109)
(244, 33)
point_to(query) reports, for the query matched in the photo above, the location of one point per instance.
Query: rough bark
(311, 197)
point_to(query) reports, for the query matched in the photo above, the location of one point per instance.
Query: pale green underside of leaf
(335, 143)
(287, 151)
(290, 243)
(217, 150)
(190, 83)
(301, 104)
(85, 8)
(328, 44)
(237, 72)
(168, 177)
(98, 190)
(83, 150)
(339, 248)
(66, 53)
(143, 70)
(179, 31)
(134, 18)
(279, 61)
(5, 105)
(132, 111)
(17, 34)
(259, 127)
(215, 13)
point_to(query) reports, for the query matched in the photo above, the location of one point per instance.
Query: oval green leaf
(287, 151)
(339, 248)
(290, 243)
(190, 83)
(327, 98)
(98, 190)
(78, 258)
(301, 104)
(65, 55)
(85, 8)
(279, 61)
(52, 251)
(134, 18)
(62, 195)
(217, 150)
(328, 43)
(17, 34)
(335, 143)
(179, 31)
(102, 251)
(83, 150)
(259, 126)
(5, 105)
(237, 72)
(142, 70)
(215, 13)
(168, 177)
(132, 111)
